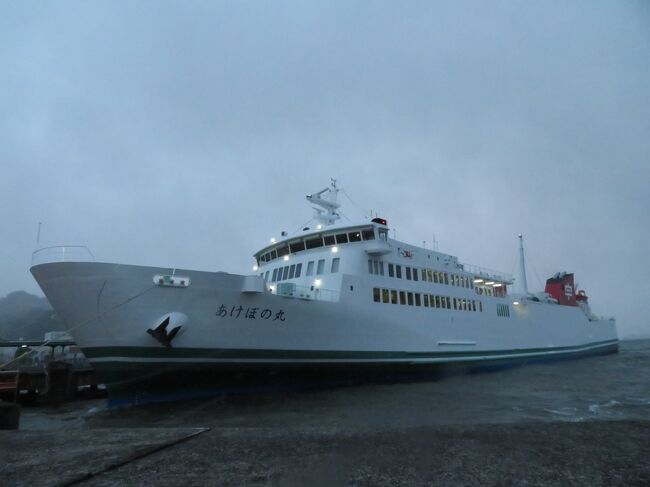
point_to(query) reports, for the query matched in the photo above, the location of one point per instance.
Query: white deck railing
(487, 273)
(62, 253)
(305, 292)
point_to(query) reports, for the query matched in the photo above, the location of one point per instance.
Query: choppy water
(612, 387)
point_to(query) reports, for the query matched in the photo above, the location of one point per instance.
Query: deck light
(478, 281)
(335, 249)
(498, 284)
(272, 240)
(255, 267)
(489, 283)
(272, 289)
(317, 282)
(319, 226)
(515, 303)
(286, 257)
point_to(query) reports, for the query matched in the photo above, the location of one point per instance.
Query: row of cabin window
(503, 310)
(394, 296)
(293, 271)
(427, 275)
(319, 241)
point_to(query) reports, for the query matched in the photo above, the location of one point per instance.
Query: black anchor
(160, 333)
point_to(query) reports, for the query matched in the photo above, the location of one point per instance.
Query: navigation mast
(522, 266)
(327, 199)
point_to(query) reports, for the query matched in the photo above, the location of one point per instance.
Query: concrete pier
(590, 454)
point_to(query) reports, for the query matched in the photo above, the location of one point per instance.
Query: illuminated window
(384, 295)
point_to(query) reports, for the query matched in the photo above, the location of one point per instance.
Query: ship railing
(313, 293)
(62, 253)
(484, 272)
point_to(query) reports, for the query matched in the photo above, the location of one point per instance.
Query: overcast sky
(187, 133)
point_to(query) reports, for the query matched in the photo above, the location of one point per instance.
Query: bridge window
(368, 234)
(354, 236)
(283, 251)
(313, 243)
(342, 238)
(297, 246)
(329, 239)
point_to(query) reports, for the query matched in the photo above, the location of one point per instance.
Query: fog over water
(186, 134)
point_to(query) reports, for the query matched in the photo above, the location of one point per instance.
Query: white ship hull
(231, 324)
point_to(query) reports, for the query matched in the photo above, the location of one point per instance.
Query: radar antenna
(327, 200)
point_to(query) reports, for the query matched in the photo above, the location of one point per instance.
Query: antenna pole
(522, 266)
(38, 235)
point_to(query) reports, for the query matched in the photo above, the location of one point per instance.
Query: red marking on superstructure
(562, 288)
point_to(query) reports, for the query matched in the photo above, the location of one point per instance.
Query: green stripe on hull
(175, 355)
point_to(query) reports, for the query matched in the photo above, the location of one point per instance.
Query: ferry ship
(334, 298)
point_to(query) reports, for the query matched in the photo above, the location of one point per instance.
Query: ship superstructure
(335, 297)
